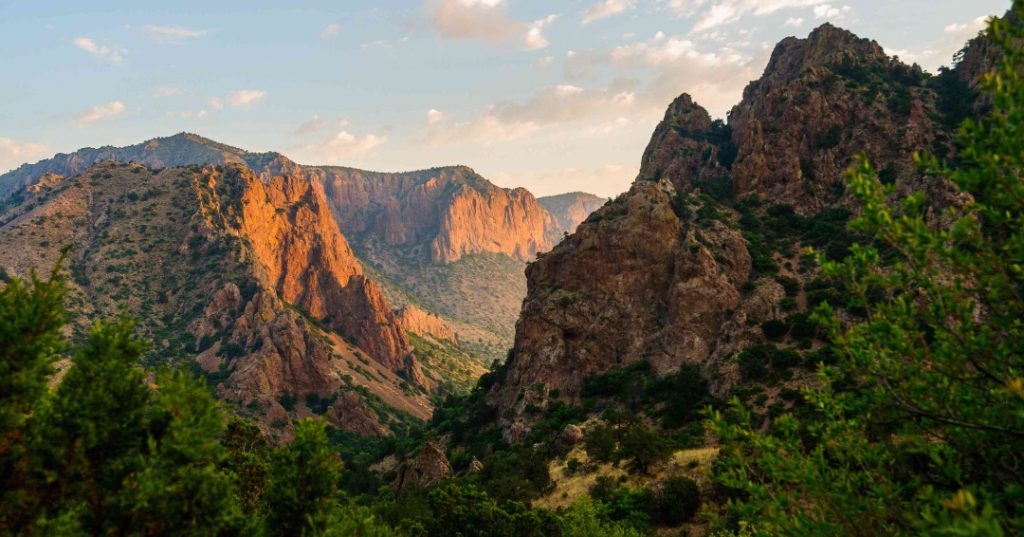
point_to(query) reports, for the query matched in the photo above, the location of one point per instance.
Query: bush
(774, 329)
(677, 501)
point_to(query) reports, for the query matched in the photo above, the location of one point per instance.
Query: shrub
(677, 501)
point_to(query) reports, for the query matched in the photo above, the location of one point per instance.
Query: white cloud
(379, 43)
(605, 9)
(103, 52)
(966, 30)
(215, 103)
(343, 145)
(550, 107)
(435, 116)
(166, 92)
(473, 19)
(827, 11)
(794, 21)
(14, 153)
(544, 61)
(171, 34)
(201, 114)
(244, 98)
(534, 38)
(99, 112)
(311, 125)
(330, 30)
(728, 11)
(662, 50)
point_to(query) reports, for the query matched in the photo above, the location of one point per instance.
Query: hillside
(250, 281)
(444, 239)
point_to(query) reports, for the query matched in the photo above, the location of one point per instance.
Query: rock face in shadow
(428, 468)
(673, 271)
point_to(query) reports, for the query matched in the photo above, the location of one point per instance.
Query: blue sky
(553, 96)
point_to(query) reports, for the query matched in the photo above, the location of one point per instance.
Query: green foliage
(676, 501)
(304, 485)
(917, 429)
(31, 315)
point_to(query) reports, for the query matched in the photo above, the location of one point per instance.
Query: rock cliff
(422, 323)
(248, 280)
(700, 260)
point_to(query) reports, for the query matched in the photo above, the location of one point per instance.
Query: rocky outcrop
(428, 468)
(423, 323)
(571, 208)
(664, 273)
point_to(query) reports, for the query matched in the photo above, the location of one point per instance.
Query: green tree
(304, 483)
(919, 427)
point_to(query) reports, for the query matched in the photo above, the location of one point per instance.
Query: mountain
(249, 280)
(571, 208)
(700, 263)
(443, 239)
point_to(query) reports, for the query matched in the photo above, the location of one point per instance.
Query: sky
(555, 96)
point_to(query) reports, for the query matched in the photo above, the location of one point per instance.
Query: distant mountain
(571, 208)
(445, 239)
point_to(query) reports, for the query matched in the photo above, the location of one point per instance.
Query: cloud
(662, 50)
(343, 145)
(103, 52)
(379, 43)
(544, 61)
(201, 114)
(605, 9)
(14, 153)
(317, 124)
(940, 53)
(968, 29)
(435, 116)
(534, 38)
(330, 30)
(473, 19)
(552, 106)
(487, 20)
(244, 98)
(99, 112)
(729, 11)
(166, 92)
(171, 34)
(794, 21)
(827, 11)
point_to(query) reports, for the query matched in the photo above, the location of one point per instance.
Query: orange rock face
(422, 323)
(440, 214)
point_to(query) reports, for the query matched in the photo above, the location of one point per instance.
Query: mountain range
(295, 289)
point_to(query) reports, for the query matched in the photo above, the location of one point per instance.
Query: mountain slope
(444, 239)
(250, 280)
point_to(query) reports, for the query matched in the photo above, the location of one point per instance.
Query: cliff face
(441, 214)
(690, 264)
(249, 280)
(423, 323)
(571, 208)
